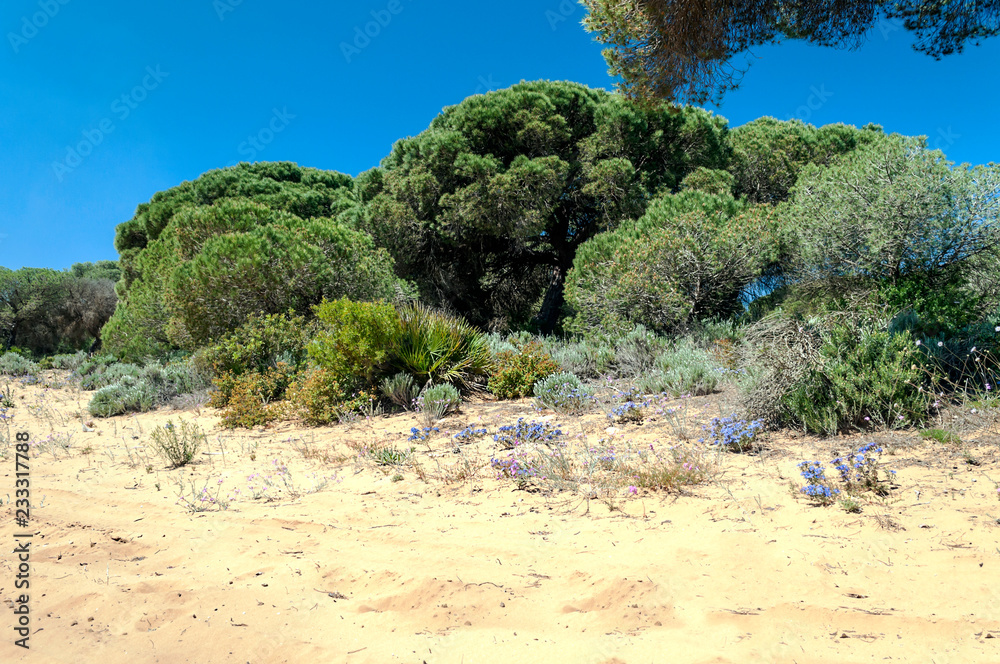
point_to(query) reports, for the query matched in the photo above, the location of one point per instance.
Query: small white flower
(940, 343)
(918, 342)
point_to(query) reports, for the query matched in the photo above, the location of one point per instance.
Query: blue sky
(158, 93)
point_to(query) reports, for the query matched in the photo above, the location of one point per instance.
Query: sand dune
(449, 564)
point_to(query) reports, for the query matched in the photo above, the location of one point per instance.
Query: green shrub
(684, 369)
(260, 343)
(129, 396)
(178, 445)
(437, 401)
(15, 364)
(563, 393)
(95, 364)
(636, 352)
(688, 257)
(319, 398)
(110, 374)
(587, 358)
(250, 399)
(400, 389)
(863, 379)
(517, 372)
(437, 348)
(354, 344)
(174, 379)
(70, 362)
(941, 436)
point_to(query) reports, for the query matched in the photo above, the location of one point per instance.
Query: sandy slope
(440, 569)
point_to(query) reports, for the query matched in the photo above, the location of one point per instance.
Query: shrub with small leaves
(516, 373)
(563, 393)
(70, 362)
(400, 389)
(733, 433)
(438, 401)
(126, 397)
(14, 364)
(178, 445)
(318, 397)
(251, 398)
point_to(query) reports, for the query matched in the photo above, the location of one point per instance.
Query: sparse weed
(178, 445)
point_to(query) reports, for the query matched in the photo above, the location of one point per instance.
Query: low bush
(250, 399)
(516, 373)
(563, 393)
(15, 364)
(110, 374)
(178, 445)
(437, 348)
(400, 390)
(437, 401)
(259, 344)
(70, 362)
(586, 358)
(354, 343)
(128, 396)
(862, 379)
(319, 398)
(681, 370)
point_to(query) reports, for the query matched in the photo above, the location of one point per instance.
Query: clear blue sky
(159, 93)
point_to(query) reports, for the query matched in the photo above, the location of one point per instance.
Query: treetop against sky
(103, 105)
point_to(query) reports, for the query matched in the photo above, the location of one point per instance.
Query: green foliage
(286, 264)
(564, 393)
(13, 364)
(684, 369)
(119, 398)
(769, 154)
(320, 398)
(250, 399)
(109, 375)
(70, 362)
(434, 347)
(862, 379)
(178, 445)
(677, 50)
(517, 372)
(690, 256)
(711, 181)
(354, 342)
(941, 436)
(437, 401)
(400, 389)
(261, 342)
(485, 209)
(262, 238)
(48, 311)
(894, 213)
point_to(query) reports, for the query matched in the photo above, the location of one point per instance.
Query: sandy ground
(449, 564)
